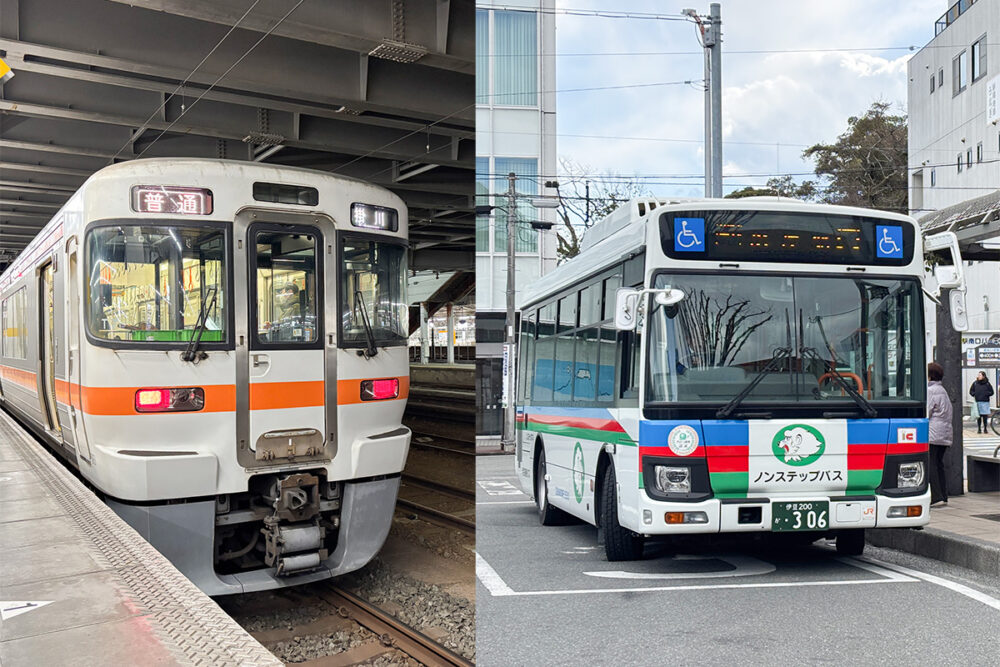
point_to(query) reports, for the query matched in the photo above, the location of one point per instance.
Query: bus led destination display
(779, 236)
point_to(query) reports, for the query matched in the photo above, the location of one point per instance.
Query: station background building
(515, 132)
(954, 147)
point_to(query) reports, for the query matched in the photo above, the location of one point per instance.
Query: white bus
(708, 366)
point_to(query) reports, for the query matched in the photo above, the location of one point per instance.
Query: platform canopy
(976, 222)
(382, 91)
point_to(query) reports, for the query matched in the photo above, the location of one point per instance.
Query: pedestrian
(939, 431)
(981, 390)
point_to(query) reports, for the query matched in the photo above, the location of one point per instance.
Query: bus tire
(620, 543)
(851, 542)
(547, 514)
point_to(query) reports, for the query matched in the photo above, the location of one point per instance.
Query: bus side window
(630, 364)
(527, 351)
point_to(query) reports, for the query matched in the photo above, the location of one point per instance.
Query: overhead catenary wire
(222, 76)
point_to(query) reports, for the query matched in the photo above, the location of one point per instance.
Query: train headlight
(379, 390)
(670, 479)
(910, 475)
(374, 217)
(172, 399)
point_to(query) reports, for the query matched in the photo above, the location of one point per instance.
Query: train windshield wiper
(192, 353)
(780, 354)
(866, 407)
(371, 350)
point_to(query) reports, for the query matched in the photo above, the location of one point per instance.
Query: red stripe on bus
(578, 422)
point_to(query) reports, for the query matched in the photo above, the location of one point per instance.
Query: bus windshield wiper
(371, 350)
(866, 407)
(192, 353)
(780, 354)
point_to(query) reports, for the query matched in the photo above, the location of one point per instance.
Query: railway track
(390, 630)
(433, 442)
(440, 487)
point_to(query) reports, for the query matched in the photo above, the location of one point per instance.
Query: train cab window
(153, 284)
(286, 287)
(373, 293)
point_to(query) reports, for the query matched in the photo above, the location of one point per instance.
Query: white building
(954, 139)
(515, 132)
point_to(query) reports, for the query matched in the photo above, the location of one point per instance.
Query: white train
(220, 348)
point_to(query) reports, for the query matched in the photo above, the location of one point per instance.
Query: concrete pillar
(425, 338)
(451, 334)
(949, 355)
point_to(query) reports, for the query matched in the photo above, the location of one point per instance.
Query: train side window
(286, 287)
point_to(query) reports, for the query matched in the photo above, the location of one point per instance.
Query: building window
(933, 177)
(526, 169)
(933, 80)
(941, 78)
(959, 163)
(968, 158)
(515, 58)
(482, 199)
(979, 58)
(482, 56)
(979, 152)
(959, 73)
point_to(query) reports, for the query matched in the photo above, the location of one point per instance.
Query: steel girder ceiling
(94, 82)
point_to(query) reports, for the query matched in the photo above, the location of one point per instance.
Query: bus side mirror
(626, 309)
(958, 311)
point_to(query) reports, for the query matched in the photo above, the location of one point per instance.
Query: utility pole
(586, 220)
(509, 422)
(710, 28)
(713, 44)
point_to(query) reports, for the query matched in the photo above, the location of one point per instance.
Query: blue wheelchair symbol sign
(689, 235)
(888, 242)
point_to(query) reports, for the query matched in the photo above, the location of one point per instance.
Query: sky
(774, 104)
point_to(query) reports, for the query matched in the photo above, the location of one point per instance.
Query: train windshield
(373, 286)
(148, 284)
(806, 337)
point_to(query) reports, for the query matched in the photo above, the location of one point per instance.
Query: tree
(782, 186)
(866, 166)
(584, 200)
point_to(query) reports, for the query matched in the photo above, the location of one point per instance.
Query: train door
(74, 313)
(291, 396)
(47, 346)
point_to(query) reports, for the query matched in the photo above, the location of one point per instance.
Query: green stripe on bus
(863, 481)
(614, 437)
(730, 484)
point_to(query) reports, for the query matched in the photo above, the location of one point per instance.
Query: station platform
(78, 586)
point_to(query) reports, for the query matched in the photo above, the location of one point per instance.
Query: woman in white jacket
(939, 431)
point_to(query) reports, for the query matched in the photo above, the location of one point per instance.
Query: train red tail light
(379, 390)
(184, 399)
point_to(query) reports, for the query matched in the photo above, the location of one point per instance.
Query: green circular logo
(578, 472)
(798, 445)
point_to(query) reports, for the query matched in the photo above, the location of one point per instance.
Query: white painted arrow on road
(12, 608)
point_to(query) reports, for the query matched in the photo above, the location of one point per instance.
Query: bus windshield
(147, 284)
(710, 346)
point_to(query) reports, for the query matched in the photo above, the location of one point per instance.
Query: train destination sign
(785, 236)
(171, 199)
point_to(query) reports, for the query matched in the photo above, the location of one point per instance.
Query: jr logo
(798, 445)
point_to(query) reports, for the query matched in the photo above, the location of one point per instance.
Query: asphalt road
(547, 595)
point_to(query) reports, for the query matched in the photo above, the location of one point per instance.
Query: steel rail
(448, 520)
(446, 489)
(391, 630)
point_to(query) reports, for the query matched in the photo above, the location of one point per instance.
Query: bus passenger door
(288, 390)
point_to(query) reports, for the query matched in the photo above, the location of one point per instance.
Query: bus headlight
(671, 479)
(910, 475)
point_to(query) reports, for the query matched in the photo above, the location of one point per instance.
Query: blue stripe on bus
(655, 433)
(727, 433)
(867, 432)
(921, 425)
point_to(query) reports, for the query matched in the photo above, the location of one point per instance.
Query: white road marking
(506, 502)
(961, 589)
(12, 608)
(5, 479)
(499, 488)
(870, 566)
(491, 580)
(745, 567)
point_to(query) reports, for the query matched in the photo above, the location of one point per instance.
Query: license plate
(812, 515)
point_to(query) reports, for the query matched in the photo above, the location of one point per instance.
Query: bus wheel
(547, 514)
(619, 543)
(851, 542)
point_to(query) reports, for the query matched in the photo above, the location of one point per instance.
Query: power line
(480, 98)
(145, 123)
(222, 76)
(596, 13)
